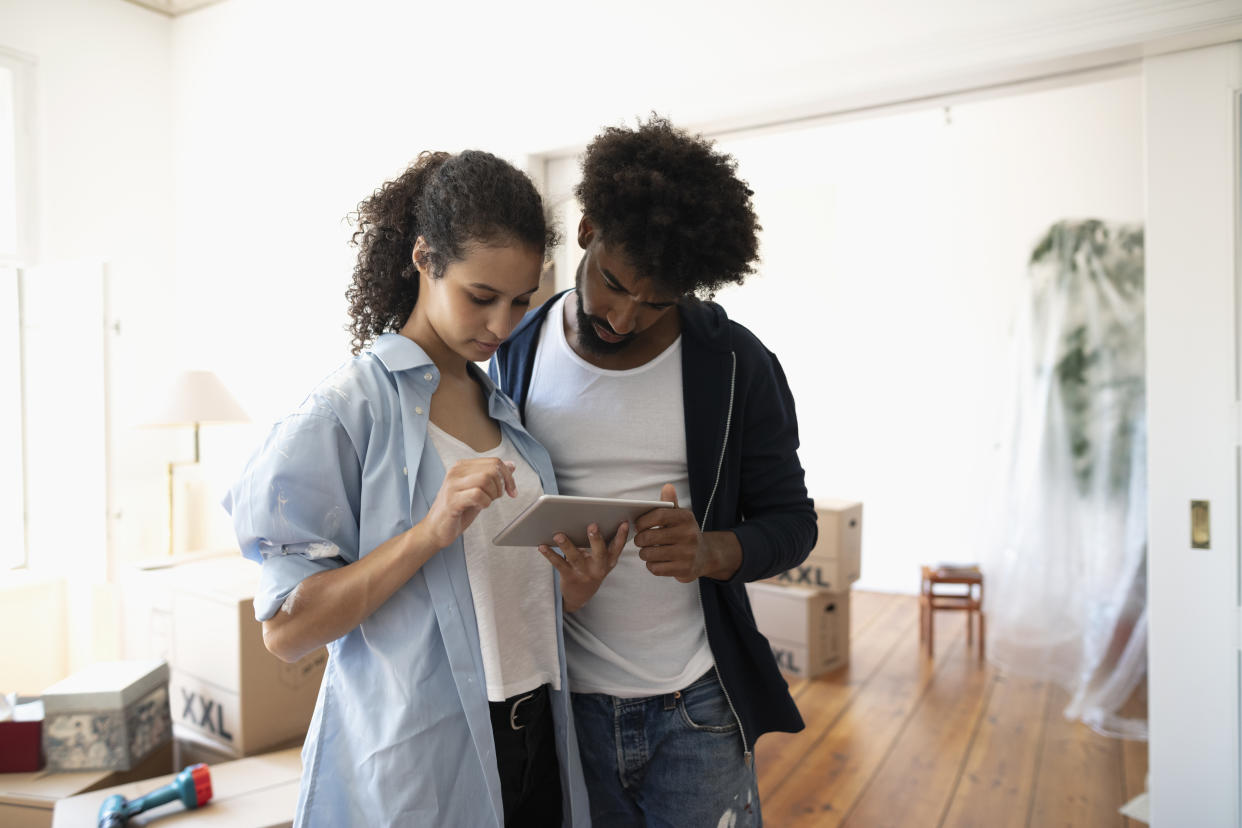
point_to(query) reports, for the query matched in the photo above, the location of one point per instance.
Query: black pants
(530, 778)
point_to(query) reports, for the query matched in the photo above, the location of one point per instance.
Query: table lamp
(194, 398)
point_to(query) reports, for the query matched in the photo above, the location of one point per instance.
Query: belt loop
(513, 725)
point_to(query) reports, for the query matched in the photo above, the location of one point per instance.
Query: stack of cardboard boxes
(805, 612)
(196, 660)
(230, 697)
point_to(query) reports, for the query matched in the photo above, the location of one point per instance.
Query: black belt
(520, 710)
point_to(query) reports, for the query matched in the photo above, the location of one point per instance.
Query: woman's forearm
(327, 605)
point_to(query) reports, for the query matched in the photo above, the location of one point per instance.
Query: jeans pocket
(705, 708)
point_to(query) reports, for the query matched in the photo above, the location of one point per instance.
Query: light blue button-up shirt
(401, 733)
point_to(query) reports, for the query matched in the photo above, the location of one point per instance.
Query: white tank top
(512, 587)
(620, 434)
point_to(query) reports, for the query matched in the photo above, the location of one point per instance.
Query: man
(639, 390)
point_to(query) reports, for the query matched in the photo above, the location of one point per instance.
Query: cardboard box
(226, 687)
(146, 602)
(809, 629)
(258, 792)
(27, 799)
(836, 560)
(109, 716)
(190, 749)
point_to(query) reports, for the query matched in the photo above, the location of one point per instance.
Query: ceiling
(172, 8)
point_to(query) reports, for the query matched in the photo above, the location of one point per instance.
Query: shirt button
(405, 471)
(427, 376)
(418, 409)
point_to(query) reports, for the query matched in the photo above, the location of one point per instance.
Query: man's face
(616, 305)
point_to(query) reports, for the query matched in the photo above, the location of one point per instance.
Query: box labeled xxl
(809, 629)
(226, 687)
(108, 716)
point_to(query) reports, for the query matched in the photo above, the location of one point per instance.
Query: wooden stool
(971, 601)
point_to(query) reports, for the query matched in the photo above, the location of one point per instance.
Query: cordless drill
(192, 786)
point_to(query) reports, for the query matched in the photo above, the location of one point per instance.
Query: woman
(371, 508)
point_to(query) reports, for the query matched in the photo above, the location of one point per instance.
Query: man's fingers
(664, 517)
(598, 546)
(556, 560)
(571, 552)
(668, 493)
(667, 536)
(655, 554)
(668, 569)
(618, 544)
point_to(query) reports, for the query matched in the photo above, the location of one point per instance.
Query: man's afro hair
(673, 204)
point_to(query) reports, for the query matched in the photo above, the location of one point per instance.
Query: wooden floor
(897, 739)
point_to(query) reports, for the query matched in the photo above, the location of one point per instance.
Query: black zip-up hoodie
(742, 453)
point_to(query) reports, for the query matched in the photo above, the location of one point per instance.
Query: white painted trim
(25, 145)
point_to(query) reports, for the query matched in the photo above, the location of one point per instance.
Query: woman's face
(481, 298)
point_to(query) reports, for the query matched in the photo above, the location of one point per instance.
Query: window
(12, 441)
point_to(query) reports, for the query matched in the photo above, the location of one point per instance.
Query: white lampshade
(197, 397)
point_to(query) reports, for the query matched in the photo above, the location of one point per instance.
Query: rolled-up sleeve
(295, 508)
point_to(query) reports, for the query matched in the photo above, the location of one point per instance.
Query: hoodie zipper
(746, 754)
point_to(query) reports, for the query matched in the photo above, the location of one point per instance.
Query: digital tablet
(539, 521)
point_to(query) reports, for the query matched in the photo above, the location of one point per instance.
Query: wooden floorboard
(897, 739)
(822, 789)
(917, 779)
(1079, 781)
(998, 779)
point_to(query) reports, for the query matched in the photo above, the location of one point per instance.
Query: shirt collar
(399, 353)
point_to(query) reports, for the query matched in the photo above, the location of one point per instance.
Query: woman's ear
(422, 256)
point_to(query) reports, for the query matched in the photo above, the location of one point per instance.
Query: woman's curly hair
(454, 202)
(673, 204)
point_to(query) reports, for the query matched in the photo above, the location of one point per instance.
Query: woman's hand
(583, 570)
(468, 488)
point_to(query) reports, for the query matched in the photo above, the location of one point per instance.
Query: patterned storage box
(110, 716)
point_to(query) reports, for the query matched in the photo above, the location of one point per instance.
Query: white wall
(103, 157)
(1193, 594)
(894, 258)
(288, 113)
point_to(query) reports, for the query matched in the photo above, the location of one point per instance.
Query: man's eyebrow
(617, 282)
(612, 278)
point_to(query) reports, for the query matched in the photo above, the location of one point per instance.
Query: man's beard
(587, 338)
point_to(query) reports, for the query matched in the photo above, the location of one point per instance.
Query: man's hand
(583, 570)
(670, 542)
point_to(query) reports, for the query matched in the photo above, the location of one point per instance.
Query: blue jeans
(669, 761)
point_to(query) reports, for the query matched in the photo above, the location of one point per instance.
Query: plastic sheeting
(1066, 572)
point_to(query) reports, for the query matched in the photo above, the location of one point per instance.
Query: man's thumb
(669, 493)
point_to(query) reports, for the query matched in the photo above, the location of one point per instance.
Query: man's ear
(422, 255)
(586, 232)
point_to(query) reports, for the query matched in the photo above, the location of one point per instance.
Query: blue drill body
(192, 786)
